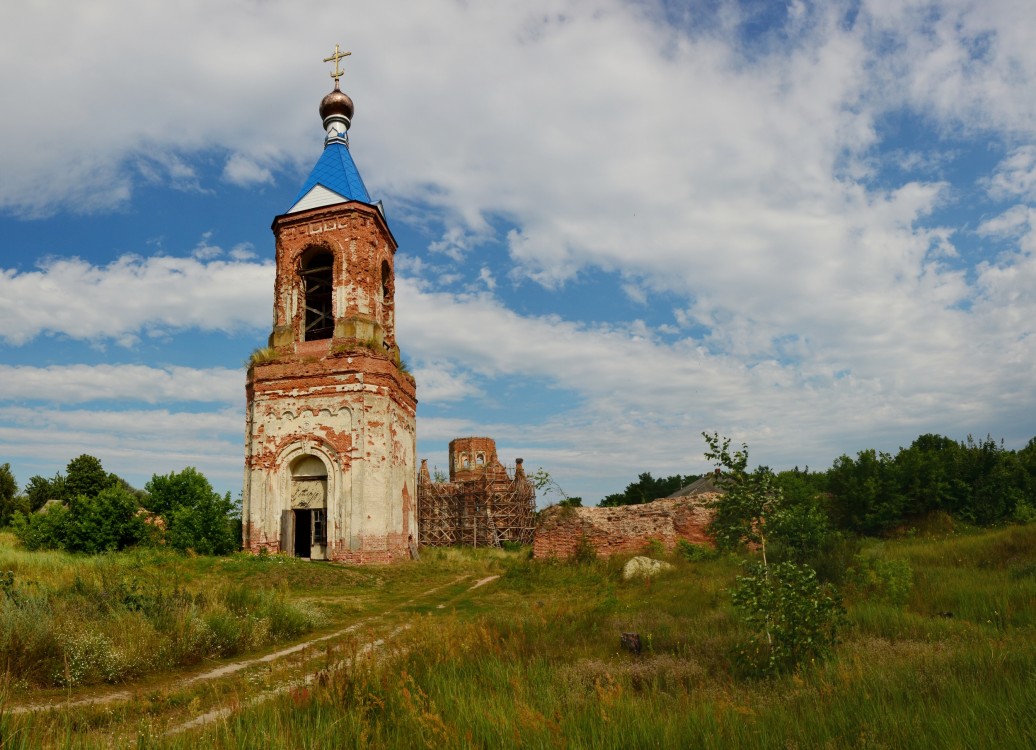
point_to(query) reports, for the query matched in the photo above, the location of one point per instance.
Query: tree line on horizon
(90, 510)
(975, 481)
(87, 509)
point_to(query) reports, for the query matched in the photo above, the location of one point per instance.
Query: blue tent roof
(336, 171)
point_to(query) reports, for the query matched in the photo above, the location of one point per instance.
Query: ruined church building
(330, 438)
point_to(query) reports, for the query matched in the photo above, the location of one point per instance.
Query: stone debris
(644, 567)
(630, 642)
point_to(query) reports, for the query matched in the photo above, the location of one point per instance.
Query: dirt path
(221, 713)
(225, 670)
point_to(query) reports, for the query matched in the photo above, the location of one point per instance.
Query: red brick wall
(622, 529)
(361, 244)
(471, 448)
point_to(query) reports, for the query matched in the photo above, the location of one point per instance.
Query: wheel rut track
(231, 668)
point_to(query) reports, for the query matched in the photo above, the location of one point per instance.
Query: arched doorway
(305, 523)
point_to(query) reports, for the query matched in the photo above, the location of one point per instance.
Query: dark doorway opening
(303, 533)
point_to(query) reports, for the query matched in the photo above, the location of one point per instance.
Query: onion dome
(337, 104)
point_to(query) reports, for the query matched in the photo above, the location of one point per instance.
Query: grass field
(938, 650)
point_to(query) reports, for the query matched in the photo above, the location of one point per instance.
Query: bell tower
(330, 439)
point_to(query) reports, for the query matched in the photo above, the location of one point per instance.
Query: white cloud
(944, 374)
(71, 384)
(968, 65)
(486, 277)
(244, 172)
(135, 443)
(439, 382)
(242, 251)
(1010, 223)
(578, 134)
(1015, 176)
(133, 295)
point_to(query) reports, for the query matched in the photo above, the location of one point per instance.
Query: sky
(807, 226)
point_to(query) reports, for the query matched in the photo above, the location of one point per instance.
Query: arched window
(386, 283)
(317, 281)
(388, 305)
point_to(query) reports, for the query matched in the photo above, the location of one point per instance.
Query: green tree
(196, 516)
(105, 522)
(8, 485)
(748, 500)
(43, 530)
(865, 492)
(792, 617)
(997, 480)
(1026, 510)
(86, 476)
(10, 501)
(39, 490)
(646, 489)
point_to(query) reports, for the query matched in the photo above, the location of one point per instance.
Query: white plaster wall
(366, 478)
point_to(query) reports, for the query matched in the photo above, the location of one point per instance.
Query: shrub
(695, 552)
(584, 551)
(877, 577)
(104, 523)
(792, 616)
(88, 657)
(197, 517)
(798, 530)
(43, 530)
(654, 548)
(12, 505)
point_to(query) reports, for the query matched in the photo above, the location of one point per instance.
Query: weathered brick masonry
(482, 504)
(330, 440)
(622, 529)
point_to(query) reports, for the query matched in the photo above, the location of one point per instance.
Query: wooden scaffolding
(491, 505)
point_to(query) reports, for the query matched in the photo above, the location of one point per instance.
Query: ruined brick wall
(472, 457)
(622, 529)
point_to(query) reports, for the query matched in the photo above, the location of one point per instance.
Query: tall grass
(534, 660)
(72, 620)
(543, 667)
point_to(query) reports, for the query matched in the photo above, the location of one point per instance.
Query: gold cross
(338, 55)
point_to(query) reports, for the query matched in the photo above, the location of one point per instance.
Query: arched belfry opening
(317, 274)
(388, 302)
